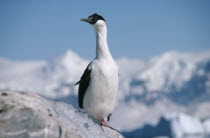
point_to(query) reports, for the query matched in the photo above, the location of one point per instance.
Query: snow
(207, 125)
(55, 77)
(171, 82)
(176, 125)
(170, 69)
(186, 125)
(137, 114)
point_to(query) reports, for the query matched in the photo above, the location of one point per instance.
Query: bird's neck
(102, 50)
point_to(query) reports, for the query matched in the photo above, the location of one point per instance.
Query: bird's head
(94, 19)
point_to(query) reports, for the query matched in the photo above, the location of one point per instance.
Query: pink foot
(104, 123)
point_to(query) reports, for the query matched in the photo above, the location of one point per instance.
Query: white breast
(100, 97)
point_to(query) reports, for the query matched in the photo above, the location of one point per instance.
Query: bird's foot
(104, 123)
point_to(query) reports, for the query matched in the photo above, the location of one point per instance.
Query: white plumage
(100, 95)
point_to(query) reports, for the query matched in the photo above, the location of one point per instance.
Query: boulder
(27, 115)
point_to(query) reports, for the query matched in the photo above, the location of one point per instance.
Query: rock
(27, 115)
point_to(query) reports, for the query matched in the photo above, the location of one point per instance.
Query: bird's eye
(94, 18)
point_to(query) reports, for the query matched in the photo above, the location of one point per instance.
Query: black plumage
(83, 85)
(109, 116)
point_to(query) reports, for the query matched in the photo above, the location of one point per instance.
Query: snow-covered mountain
(173, 125)
(56, 77)
(171, 82)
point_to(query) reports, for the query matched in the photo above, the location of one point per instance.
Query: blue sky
(42, 29)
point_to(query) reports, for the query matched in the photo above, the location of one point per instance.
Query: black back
(83, 85)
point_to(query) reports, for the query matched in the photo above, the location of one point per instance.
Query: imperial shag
(98, 85)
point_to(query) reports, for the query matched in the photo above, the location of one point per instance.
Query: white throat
(102, 50)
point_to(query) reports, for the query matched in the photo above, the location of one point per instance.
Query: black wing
(83, 85)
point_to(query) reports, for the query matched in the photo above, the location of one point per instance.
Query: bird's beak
(85, 20)
(89, 19)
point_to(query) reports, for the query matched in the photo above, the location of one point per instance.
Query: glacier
(149, 89)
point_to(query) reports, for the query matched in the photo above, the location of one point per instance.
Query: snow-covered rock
(27, 115)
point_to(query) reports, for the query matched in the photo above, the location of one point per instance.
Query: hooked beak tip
(84, 20)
